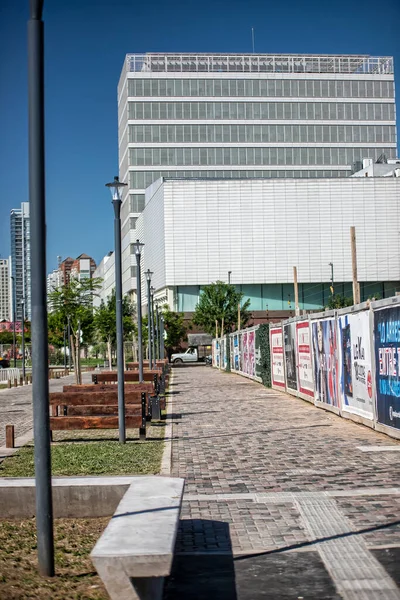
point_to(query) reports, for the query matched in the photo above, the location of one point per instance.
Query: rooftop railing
(258, 63)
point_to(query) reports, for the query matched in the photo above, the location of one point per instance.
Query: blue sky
(85, 45)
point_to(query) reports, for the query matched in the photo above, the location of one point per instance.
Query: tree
(6, 337)
(105, 322)
(73, 302)
(338, 301)
(220, 301)
(174, 327)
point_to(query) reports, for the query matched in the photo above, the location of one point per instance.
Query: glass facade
(277, 296)
(258, 134)
(251, 156)
(260, 88)
(261, 111)
(250, 116)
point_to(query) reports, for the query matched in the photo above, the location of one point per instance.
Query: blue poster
(387, 361)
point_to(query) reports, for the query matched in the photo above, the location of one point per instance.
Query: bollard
(15, 382)
(10, 436)
(21, 381)
(8, 383)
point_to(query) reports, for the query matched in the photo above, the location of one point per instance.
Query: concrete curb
(166, 461)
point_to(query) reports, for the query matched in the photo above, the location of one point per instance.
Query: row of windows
(342, 111)
(142, 179)
(134, 204)
(294, 88)
(261, 133)
(130, 224)
(252, 156)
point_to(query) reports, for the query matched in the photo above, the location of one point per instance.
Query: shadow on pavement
(203, 567)
(319, 540)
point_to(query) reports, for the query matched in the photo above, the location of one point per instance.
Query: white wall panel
(260, 229)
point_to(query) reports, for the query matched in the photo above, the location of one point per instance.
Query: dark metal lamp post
(115, 188)
(153, 328)
(14, 319)
(149, 275)
(23, 338)
(40, 355)
(162, 338)
(138, 249)
(332, 286)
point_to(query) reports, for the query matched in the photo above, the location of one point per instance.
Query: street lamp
(332, 288)
(162, 338)
(13, 318)
(149, 275)
(158, 332)
(153, 323)
(229, 277)
(40, 351)
(115, 187)
(23, 337)
(138, 249)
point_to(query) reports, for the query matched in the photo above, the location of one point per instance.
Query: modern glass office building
(247, 116)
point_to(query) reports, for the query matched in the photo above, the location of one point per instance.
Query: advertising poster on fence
(325, 361)
(251, 340)
(355, 371)
(277, 367)
(289, 331)
(387, 364)
(235, 352)
(245, 352)
(306, 384)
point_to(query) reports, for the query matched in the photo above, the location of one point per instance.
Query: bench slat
(107, 422)
(131, 410)
(129, 387)
(79, 398)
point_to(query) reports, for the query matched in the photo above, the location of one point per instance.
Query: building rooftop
(257, 63)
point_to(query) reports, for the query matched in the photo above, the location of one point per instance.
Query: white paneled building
(247, 116)
(195, 231)
(106, 272)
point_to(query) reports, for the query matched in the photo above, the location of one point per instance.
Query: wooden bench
(134, 366)
(96, 410)
(156, 375)
(135, 552)
(148, 388)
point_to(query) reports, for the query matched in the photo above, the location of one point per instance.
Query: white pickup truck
(190, 355)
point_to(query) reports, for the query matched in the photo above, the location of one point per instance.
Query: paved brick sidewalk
(266, 473)
(16, 405)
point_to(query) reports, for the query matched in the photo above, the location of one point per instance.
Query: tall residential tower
(4, 290)
(246, 116)
(21, 259)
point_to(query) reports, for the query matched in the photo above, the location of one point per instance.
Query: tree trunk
(109, 354)
(78, 359)
(74, 359)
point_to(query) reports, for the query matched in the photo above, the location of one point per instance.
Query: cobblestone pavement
(16, 405)
(266, 472)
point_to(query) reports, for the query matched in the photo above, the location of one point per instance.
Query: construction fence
(346, 361)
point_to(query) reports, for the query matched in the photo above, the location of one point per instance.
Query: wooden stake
(10, 436)
(356, 286)
(296, 293)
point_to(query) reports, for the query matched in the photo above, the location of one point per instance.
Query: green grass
(3, 386)
(75, 575)
(102, 457)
